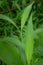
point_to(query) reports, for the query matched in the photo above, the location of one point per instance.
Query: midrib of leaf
(29, 42)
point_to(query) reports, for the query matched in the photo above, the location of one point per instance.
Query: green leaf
(40, 41)
(36, 32)
(9, 51)
(38, 51)
(40, 62)
(29, 42)
(25, 15)
(4, 17)
(39, 30)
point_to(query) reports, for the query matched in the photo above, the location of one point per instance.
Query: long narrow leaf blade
(29, 40)
(4, 17)
(25, 15)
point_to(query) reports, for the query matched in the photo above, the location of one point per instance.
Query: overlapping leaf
(29, 42)
(10, 51)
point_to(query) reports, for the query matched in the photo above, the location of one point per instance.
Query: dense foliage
(21, 32)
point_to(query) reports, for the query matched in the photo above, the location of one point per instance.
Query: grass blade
(4, 17)
(29, 40)
(25, 15)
